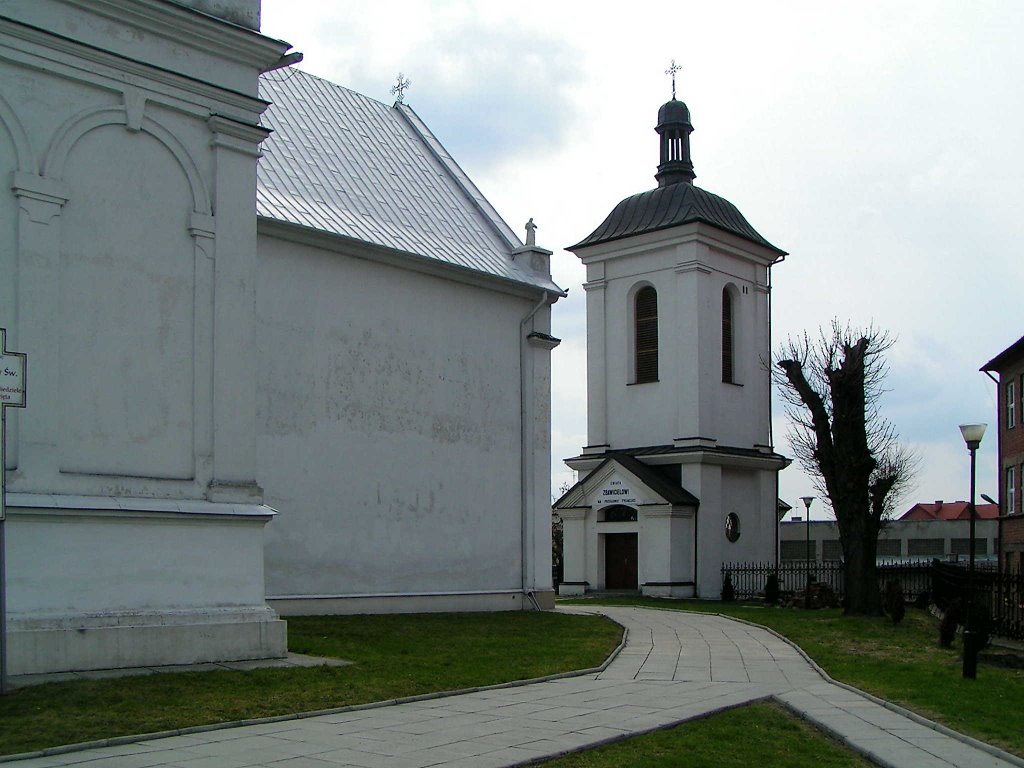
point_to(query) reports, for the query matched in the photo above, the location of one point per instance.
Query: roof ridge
(459, 176)
(346, 164)
(283, 75)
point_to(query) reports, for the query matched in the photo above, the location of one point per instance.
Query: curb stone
(115, 741)
(910, 715)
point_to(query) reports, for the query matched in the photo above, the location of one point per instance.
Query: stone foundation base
(574, 589)
(668, 590)
(434, 602)
(115, 642)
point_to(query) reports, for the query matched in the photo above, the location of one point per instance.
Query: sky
(878, 143)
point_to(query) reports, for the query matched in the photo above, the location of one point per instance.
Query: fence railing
(923, 582)
(1001, 594)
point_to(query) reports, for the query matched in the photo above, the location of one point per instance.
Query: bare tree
(831, 387)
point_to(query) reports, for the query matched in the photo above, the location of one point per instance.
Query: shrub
(728, 592)
(771, 589)
(949, 622)
(893, 602)
(956, 616)
(981, 622)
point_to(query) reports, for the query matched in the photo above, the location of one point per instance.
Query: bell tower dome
(674, 128)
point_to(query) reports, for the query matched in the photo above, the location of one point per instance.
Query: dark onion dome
(673, 111)
(674, 129)
(672, 206)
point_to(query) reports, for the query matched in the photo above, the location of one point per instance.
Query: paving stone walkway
(675, 666)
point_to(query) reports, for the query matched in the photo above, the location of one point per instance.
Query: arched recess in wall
(73, 129)
(125, 298)
(25, 159)
(15, 155)
(643, 337)
(730, 335)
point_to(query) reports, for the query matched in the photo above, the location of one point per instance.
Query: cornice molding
(188, 27)
(664, 239)
(116, 68)
(236, 136)
(360, 249)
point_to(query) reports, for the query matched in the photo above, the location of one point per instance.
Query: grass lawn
(394, 656)
(903, 664)
(764, 735)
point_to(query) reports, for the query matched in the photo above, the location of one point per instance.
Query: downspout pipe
(999, 482)
(524, 453)
(771, 425)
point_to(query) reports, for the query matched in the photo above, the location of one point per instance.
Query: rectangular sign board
(12, 380)
(12, 393)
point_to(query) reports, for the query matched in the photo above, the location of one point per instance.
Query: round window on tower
(732, 526)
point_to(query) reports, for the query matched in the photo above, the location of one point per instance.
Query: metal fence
(1000, 593)
(749, 579)
(923, 582)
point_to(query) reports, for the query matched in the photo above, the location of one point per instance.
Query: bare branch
(831, 389)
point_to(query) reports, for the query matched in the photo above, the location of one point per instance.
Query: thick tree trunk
(842, 454)
(860, 546)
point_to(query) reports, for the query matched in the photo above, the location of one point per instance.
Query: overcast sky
(880, 144)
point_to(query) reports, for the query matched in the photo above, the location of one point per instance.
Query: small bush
(949, 622)
(981, 622)
(771, 589)
(728, 592)
(893, 603)
(956, 617)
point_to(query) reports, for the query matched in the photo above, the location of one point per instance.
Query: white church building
(679, 474)
(283, 356)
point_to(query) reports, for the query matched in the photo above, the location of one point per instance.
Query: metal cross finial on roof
(400, 86)
(670, 71)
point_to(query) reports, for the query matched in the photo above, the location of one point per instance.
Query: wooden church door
(620, 561)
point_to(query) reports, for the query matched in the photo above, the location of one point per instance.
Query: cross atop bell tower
(672, 71)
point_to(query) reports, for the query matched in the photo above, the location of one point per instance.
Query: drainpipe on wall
(1000, 478)
(771, 425)
(525, 454)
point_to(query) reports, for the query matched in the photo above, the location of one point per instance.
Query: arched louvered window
(646, 324)
(728, 372)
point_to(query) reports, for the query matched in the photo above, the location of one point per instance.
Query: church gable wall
(109, 244)
(113, 262)
(388, 408)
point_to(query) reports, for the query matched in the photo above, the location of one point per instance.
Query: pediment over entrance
(623, 480)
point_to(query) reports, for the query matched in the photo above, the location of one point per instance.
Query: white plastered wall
(109, 248)
(390, 436)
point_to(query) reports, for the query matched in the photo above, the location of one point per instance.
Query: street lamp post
(807, 552)
(973, 433)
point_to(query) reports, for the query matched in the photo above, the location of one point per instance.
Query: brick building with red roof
(950, 510)
(1009, 366)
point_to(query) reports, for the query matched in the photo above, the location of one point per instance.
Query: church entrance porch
(620, 561)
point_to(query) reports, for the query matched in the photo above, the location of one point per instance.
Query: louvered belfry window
(727, 345)
(646, 335)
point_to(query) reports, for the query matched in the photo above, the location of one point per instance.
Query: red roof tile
(950, 510)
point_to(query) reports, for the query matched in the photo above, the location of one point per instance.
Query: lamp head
(972, 434)
(807, 502)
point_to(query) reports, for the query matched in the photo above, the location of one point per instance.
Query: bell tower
(678, 396)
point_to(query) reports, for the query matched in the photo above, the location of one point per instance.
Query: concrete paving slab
(676, 666)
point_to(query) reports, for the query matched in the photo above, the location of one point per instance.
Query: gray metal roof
(672, 206)
(342, 163)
